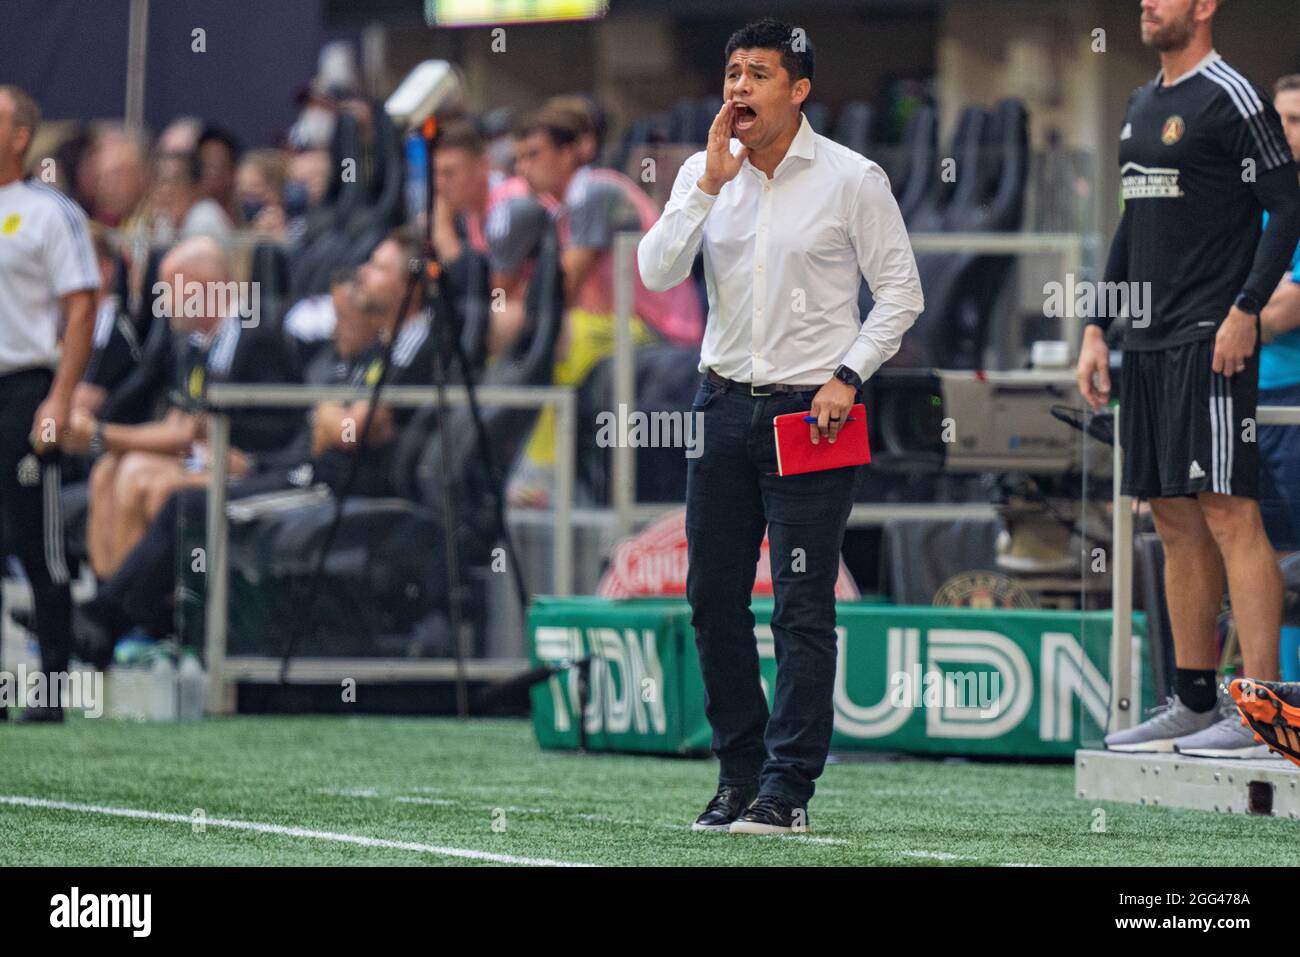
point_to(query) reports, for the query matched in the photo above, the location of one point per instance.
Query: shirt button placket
(760, 283)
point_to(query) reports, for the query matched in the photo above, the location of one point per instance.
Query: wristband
(96, 446)
(1247, 302)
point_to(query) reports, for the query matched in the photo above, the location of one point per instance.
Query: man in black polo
(790, 223)
(1202, 155)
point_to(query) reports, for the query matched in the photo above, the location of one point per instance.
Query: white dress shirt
(783, 260)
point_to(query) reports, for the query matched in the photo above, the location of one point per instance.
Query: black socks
(1196, 688)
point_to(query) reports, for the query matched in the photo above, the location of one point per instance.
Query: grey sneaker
(1228, 737)
(1168, 722)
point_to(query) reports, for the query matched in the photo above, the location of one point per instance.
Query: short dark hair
(460, 135)
(215, 134)
(771, 34)
(561, 126)
(1287, 83)
(590, 112)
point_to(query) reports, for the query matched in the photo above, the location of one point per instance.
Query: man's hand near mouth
(721, 166)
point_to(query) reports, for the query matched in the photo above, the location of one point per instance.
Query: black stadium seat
(666, 378)
(962, 289)
(327, 242)
(819, 117)
(916, 174)
(853, 126)
(269, 268)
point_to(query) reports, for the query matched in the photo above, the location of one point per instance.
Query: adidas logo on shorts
(1195, 471)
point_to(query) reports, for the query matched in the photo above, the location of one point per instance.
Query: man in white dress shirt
(790, 222)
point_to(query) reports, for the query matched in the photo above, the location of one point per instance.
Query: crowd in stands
(190, 210)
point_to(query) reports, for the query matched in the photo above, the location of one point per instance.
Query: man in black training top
(1202, 154)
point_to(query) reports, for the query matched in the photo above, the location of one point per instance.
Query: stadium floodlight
(426, 89)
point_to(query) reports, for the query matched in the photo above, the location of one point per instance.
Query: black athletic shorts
(1185, 428)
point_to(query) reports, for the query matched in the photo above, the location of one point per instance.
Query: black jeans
(732, 494)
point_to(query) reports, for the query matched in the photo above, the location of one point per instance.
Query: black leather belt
(774, 389)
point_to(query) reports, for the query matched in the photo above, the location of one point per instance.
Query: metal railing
(223, 671)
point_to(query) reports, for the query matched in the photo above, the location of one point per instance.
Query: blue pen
(813, 418)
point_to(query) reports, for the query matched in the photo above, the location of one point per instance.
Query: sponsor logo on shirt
(1127, 132)
(10, 225)
(1143, 182)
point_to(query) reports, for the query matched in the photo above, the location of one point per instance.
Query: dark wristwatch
(847, 375)
(1248, 303)
(96, 446)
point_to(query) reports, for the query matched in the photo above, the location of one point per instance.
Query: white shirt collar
(802, 146)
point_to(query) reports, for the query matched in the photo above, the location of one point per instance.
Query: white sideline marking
(937, 855)
(20, 801)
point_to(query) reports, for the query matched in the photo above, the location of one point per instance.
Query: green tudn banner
(962, 681)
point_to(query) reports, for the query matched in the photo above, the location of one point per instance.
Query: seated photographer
(139, 466)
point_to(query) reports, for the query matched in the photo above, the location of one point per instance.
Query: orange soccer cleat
(1272, 709)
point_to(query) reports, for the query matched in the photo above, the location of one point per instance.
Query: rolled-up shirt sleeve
(885, 258)
(666, 253)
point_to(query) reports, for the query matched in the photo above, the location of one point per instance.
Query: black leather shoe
(41, 715)
(770, 814)
(725, 807)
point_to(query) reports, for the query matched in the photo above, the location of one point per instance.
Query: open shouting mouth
(745, 117)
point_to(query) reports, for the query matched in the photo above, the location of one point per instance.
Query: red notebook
(795, 452)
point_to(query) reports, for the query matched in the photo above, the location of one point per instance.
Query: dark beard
(1174, 35)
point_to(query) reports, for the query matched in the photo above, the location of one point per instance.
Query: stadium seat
(269, 268)
(913, 176)
(962, 289)
(920, 555)
(819, 117)
(324, 244)
(853, 126)
(666, 379)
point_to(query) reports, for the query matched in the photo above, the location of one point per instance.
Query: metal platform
(1264, 787)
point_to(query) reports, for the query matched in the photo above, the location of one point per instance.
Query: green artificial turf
(484, 786)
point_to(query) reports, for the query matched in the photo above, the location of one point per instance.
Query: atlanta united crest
(981, 589)
(1173, 131)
